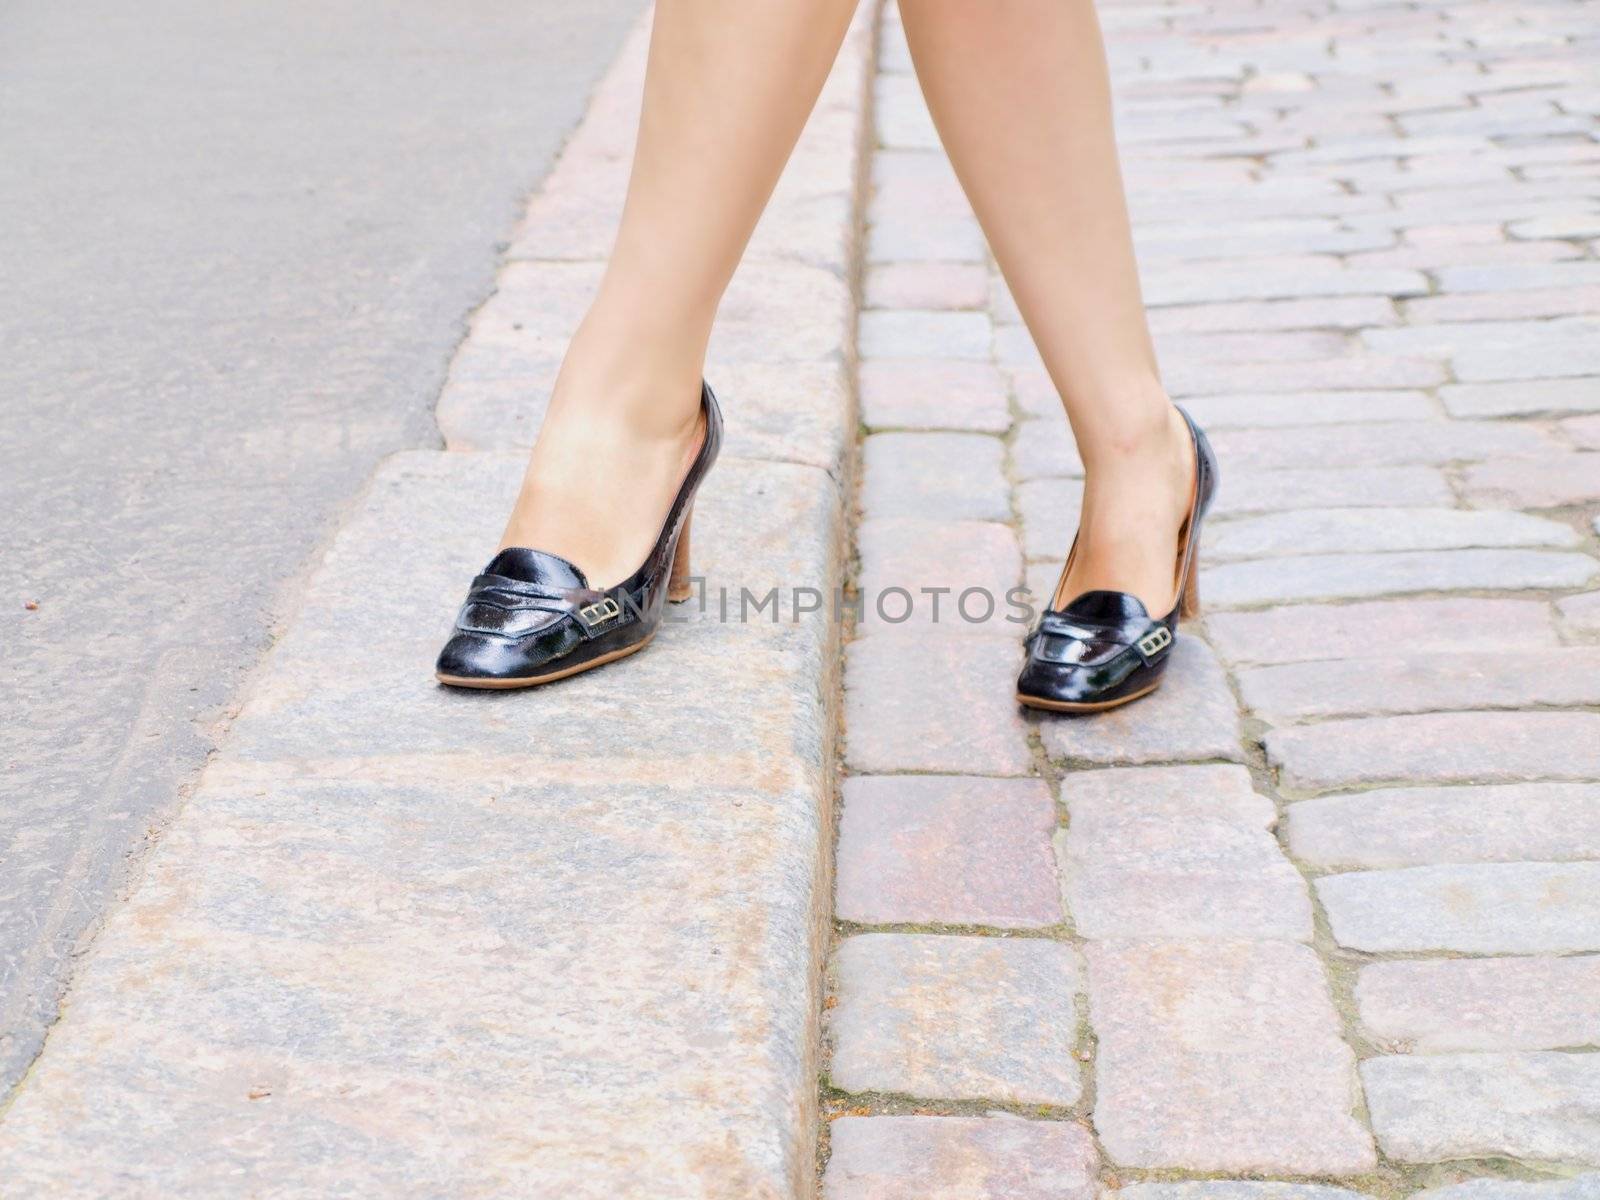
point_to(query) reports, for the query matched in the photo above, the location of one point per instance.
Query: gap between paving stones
(401, 940)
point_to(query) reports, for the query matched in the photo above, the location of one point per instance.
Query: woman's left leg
(1021, 97)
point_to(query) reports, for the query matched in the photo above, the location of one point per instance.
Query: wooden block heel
(1189, 601)
(680, 586)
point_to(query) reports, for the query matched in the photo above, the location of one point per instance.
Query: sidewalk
(407, 941)
(1327, 907)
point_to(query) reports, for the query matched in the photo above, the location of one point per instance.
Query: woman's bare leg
(1020, 94)
(728, 88)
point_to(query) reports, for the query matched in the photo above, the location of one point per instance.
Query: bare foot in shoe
(1135, 502)
(603, 475)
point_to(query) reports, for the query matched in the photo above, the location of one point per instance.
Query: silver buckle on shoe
(1155, 641)
(599, 612)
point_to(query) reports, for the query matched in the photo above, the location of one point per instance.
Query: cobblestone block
(1577, 355)
(901, 116)
(1193, 1038)
(815, 302)
(1330, 312)
(1505, 306)
(961, 1158)
(1380, 444)
(1191, 717)
(956, 1018)
(1410, 683)
(1356, 576)
(1014, 348)
(1406, 827)
(927, 285)
(1184, 285)
(911, 186)
(1049, 509)
(1235, 1189)
(916, 393)
(1518, 276)
(1486, 747)
(1472, 908)
(934, 476)
(1043, 448)
(1583, 431)
(1448, 340)
(1437, 258)
(1482, 1004)
(1360, 530)
(1551, 482)
(1036, 393)
(1318, 487)
(945, 703)
(1523, 398)
(1252, 347)
(1581, 613)
(1180, 852)
(929, 849)
(945, 239)
(953, 576)
(1578, 1187)
(1529, 1105)
(1306, 632)
(1188, 379)
(911, 333)
(1267, 410)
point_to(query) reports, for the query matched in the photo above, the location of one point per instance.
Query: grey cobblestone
(1531, 1105)
(1482, 1004)
(1581, 613)
(1318, 487)
(932, 849)
(1549, 482)
(953, 576)
(1365, 530)
(1306, 632)
(961, 1158)
(1177, 852)
(1475, 908)
(1491, 747)
(956, 1018)
(933, 394)
(1579, 1187)
(1265, 410)
(934, 476)
(1410, 683)
(1408, 827)
(1358, 576)
(941, 703)
(1194, 1037)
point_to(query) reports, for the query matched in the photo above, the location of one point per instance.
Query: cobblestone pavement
(1323, 913)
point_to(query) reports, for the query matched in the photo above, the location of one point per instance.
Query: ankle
(1137, 441)
(654, 396)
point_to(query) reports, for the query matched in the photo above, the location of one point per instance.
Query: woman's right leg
(728, 88)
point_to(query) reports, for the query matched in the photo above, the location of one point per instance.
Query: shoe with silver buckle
(531, 616)
(1104, 649)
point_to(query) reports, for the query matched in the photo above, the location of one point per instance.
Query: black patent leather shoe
(1104, 648)
(532, 617)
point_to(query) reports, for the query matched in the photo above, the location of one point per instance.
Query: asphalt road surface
(238, 242)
